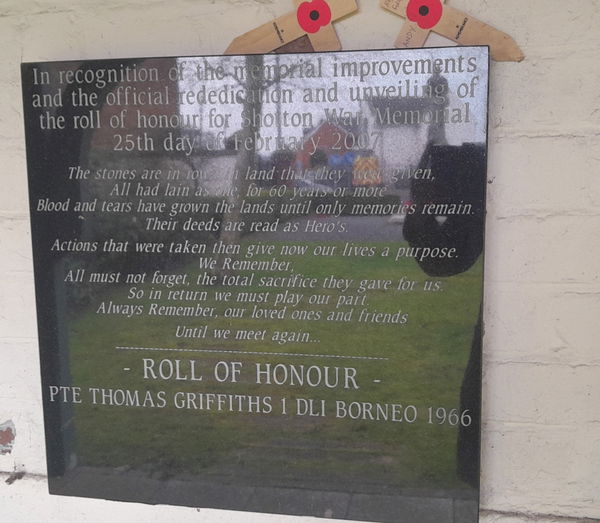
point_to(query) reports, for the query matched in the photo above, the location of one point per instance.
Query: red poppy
(314, 15)
(426, 13)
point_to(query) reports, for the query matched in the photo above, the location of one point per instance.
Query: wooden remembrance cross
(310, 28)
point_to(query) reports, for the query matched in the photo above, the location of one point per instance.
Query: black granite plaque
(259, 279)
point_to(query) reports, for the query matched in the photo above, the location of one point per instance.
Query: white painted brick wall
(542, 378)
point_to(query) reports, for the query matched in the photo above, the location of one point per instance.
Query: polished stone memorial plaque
(259, 279)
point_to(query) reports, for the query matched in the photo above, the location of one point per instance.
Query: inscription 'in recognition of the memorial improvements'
(259, 279)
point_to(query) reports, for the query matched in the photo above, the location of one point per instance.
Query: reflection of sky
(474, 131)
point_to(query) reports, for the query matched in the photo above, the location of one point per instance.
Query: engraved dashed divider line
(214, 351)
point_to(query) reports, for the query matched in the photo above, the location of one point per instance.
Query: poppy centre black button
(314, 15)
(423, 10)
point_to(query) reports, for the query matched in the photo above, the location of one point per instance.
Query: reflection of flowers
(313, 15)
(426, 13)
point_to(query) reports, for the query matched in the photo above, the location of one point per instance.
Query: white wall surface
(541, 441)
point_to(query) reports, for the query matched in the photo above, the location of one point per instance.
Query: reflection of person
(317, 161)
(459, 176)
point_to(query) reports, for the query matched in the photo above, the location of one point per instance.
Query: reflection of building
(330, 138)
(381, 139)
(406, 125)
(386, 135)
(139, 100)
(336, 145)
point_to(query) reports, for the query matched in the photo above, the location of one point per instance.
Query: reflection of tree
(255, 82)
(247, 155)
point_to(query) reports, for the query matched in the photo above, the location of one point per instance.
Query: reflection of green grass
(426, 363)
